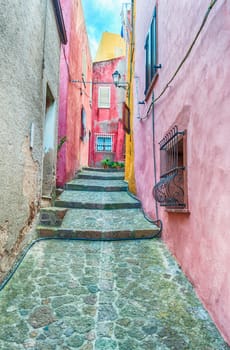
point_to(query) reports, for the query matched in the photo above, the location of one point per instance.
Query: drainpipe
(154, 153)
(158, 221)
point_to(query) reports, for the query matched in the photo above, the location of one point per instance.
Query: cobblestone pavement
(96, 205)
(96, 185)
(107, 220)
(83, 295)
(81, 199)
(113, 175)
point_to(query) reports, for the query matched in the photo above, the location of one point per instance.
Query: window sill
(108, 152)
(151, 86)
(179, 211)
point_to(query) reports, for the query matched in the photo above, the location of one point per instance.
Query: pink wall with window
(75, 97)
(197, 101)
(107, 113)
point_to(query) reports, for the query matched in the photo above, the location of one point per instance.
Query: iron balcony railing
(169, 191)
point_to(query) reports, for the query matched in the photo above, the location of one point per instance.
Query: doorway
(48, 181)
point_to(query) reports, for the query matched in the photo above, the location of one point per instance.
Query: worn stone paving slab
(103, 296)
(117, 219)
(100, 175)
(100, 200)
(96, 185)
(102, 224)
(103, 170)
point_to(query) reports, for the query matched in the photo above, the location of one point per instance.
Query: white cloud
(93, 43)
(109, 5)
(101, 16)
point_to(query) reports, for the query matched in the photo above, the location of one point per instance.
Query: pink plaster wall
(108, 120)
(73, 96)
(197, 100)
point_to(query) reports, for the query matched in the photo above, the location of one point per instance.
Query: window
(104, 97)
(151, 52)
(126, 118)
(49, 144)
(104, 143)
(83, 124)
(170, 191)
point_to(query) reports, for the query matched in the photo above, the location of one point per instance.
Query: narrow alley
(101, 295)
(114, 191)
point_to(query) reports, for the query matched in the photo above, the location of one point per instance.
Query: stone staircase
(96, 205)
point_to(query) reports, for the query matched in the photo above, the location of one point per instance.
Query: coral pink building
(108, 135)
(182, 164)
(75, 95)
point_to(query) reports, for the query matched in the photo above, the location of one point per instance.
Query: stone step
(97, 175)
(107, 170)
(102, 225)
(52, 216)
(96, 185)
(96, 200)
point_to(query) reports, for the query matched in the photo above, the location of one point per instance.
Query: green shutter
(151, 52)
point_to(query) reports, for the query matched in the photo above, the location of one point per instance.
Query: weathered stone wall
(29, 56)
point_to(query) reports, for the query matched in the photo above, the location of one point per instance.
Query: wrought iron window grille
(104, 143)
(169, 191)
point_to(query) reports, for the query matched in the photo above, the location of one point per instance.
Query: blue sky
(101, 16)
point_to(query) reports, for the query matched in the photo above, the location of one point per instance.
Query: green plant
(61, 142)
(105, 162)
(114, 164)
(110, 164)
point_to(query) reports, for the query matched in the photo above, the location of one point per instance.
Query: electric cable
(211, 5)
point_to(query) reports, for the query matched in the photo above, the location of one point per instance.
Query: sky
(101, 16)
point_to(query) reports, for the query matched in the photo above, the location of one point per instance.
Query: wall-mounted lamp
(116, 80)
(159, 66)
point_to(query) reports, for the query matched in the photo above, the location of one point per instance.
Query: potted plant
(114, 165)
(105, 162)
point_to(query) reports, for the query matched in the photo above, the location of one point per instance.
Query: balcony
(169, 191)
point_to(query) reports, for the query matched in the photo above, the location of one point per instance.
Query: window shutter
(151, 52)
(104, 97)
(83, 124)
(154, 44)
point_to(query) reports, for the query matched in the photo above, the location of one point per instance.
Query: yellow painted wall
(129, 159)
(111, 46)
